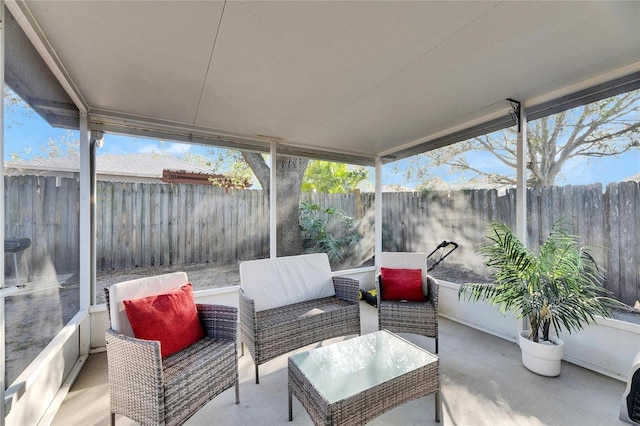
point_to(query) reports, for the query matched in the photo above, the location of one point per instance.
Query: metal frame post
(95, 142)
(521, 176)
(86, 220)
(378, 214)
(273, 210)
(3, 385)
(521, 191)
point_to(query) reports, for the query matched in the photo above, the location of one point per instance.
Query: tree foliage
(66, 145)
(226, 162)
(606, 128)
(328, 230)
(332, 178)
(15, 107)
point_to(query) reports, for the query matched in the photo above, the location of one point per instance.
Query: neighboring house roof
(139, 165)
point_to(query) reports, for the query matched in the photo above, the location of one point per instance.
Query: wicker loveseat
(290, 302)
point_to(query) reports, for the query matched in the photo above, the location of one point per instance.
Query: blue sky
(27, 135)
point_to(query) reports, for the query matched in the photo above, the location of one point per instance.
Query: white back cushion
(282, 281)
(136, 289)
(401, 260)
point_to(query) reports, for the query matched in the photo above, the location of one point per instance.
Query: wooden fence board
(138, 197)
(636, 197)
(166, 192)
(628, 240)
(612, 213)
(172, 242)
(200, 231)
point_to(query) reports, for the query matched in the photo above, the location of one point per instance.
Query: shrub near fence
(168, 224)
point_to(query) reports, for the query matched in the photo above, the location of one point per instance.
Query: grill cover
(630, 408)
(16, 245)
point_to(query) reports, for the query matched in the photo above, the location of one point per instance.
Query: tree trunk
(546, 325)
(289, 173)
(534, 329)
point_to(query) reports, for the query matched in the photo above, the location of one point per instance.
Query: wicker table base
(354, 381)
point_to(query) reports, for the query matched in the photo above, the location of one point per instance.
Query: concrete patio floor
(483, 383)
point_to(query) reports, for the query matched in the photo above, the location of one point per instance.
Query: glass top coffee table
(356, 380)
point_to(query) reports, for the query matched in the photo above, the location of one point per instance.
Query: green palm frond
(561, 285)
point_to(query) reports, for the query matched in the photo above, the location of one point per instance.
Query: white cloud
(168, 148)
(178, 148)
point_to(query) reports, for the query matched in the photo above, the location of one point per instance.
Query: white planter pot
(541, 358)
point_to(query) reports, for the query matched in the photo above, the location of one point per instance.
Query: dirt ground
(202, 275)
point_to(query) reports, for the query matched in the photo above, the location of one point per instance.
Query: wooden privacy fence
(161, 224)
(607, 221)
(167, 224)
(46, 211)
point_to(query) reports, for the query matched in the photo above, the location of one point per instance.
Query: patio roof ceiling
(335, 80)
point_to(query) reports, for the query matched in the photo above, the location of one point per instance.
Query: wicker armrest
(347, 289)
(247, 310)
(219, 321)
(134, 368)
(433, 291)
(247, 321)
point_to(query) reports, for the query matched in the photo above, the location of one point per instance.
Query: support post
(377, 243)
(87, 243)
(521, 190)
(273, 210)
(85, 211)
(521, 176)
(95, 141)
(3, 385)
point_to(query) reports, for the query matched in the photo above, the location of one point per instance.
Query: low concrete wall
(479, 315)
(366, 276)
(29, 397)
(608, 347)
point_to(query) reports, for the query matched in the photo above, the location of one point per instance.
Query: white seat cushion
(282, 281)
(135, 289)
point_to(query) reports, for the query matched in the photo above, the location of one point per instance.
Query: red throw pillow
(171, 318)
(402, 284)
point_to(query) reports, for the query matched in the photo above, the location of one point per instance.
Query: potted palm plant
(559, 288)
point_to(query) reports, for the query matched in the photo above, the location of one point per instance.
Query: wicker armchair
(409, 317)
(166, 391)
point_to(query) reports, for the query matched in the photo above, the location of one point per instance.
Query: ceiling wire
(206, 76)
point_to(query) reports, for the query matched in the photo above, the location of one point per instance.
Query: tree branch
(260, 169)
